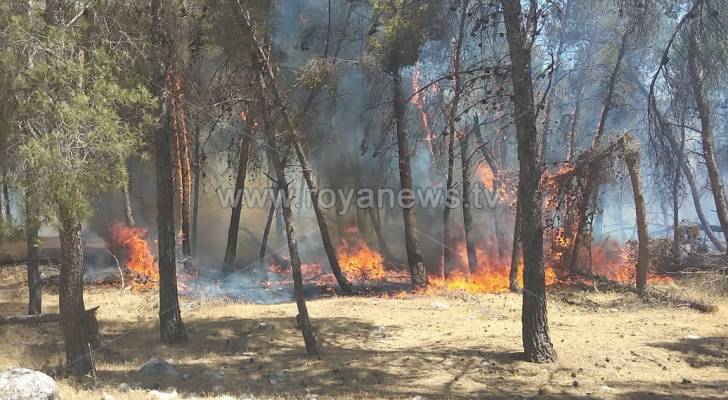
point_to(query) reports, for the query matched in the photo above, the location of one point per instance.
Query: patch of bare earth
(610, 346)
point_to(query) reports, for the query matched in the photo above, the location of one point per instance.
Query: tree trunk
(643, 253)
(467, 212)
(196, 192)
(571, 150)
(171, 327)
(302, 319)
(269, 222)
(70, 293)
(676, 196)
(610, 89)
(6, 195)
(242, 174)
(516, 252)
(704, 112)
(32, 226)
(452, 119)
(381, 240)
(128, 211)
(536, 339)
(416, 264)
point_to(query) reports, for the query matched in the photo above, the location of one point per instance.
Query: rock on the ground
(157, 395)
(26, 384)
(123, 388)
(107, 396)
(157, 366)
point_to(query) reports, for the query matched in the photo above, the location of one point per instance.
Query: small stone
(438, 305)
(157, 395)
(607, 389)
(573, 374)
(107, 397)
(123, 388)
(575, 384)
(263, 326)
(686, 381)
(185, 376)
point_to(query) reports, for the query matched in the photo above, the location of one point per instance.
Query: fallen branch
(652, 294)
(30, 319)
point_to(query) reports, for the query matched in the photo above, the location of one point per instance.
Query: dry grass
(612, 345)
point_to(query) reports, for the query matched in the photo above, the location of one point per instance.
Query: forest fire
(359, 262)
(140, 262)
(418, 101)
(485, 174)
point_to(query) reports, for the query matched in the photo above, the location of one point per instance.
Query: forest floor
(610, 346)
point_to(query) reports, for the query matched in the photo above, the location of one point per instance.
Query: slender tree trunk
(196, 192)
(516, 252)
(536, 339)
(676, 196)
(7, 214)
(704, 112)
(269, 220)
(643, 254)
(571, 150)
(303, 320)
(416, 264)
(171, 327)
(32, 226)
(446, 235)
(242, 174)
(128, 210)
(73, 313)
(381, 240)
(610, 89)
(452, 119)
(467, 212)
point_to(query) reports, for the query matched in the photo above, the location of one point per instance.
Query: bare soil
(610, 346)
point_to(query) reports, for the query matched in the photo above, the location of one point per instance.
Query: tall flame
(359, 262)
(139, 258)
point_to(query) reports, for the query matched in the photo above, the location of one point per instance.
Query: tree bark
(302, 319)
(516, 252)
(32, 226)
(242, 174)
(70, 292)
(452, 119)
(610, 89)
(467, 212)
(536, 339)
(268, 81)
(704, 112)
(171, 327)
(416, 264)
(128, 210)
(643, 253)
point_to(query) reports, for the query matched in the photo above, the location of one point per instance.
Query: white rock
(123, 388)
(157, 366)
(107, 396)
(26, 384)
(157, 395)
(437, 305)
(693, 337)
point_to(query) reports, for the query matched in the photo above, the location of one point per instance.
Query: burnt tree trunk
(536, 339)
(704, 112)
(676, 196)
(467, 212)
(171, 327)
(32, 226)
(70, 293)
(416, 264)
(242, 173)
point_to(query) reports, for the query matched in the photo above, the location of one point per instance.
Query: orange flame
(139, 258)
(485, 174)
(359, 262)
(417, 100)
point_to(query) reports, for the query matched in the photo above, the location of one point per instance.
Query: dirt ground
(610, 346)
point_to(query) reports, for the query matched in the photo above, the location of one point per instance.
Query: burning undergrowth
(269, 281)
